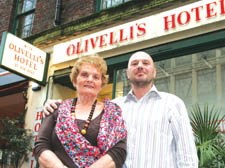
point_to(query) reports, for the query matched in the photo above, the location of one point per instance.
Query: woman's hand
(104, 162)
(48, 159)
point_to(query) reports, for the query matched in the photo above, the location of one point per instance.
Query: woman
(83, 132)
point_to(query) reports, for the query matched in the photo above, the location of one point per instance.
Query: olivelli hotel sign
(24, 59)
(187, 17)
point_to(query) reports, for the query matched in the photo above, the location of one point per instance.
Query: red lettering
(22, 60)
(223, 125)
(121, 36)
(28, 54)
(93, 43)
(86, 45)
(35, 67)
(35, 137)
(32, 154)
(21, 67)
(41, 60)
(31, 163)
(35, 58)
(197, 13)
(27, 61)
(37, 127)
(70, 50)
(131, 32)
(112, 38)
(210, 10)
(17, 57)
(179, 20)
(141, 29)
(11, 46)
(222, 7)
(21, 50)
(102, 40)
(78, 48)
(218, 127)
(166, 22)
(15, 49)
(39, 115)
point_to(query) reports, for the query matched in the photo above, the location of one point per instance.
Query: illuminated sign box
(24, 59)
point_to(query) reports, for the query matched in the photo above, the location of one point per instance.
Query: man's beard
(141, 84)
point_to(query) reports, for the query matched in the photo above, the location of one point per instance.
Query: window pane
(26, 5)
(122, 84)
(25, 23)
(110, 3)
(26, 31)
(183, 61)
(223, 74)
(28, 19)
(184, 87)
(104, 4)
(223, 84)
(116, 2)
(207, 86)
(163, 84)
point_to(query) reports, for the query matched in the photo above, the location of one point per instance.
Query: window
(24, 18)
(195, 78)
(103, 4)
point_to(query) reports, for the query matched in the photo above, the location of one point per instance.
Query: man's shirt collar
(152, 92)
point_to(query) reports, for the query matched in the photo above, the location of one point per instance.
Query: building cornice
(100, 19)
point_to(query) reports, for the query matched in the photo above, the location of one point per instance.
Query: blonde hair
(95, 60)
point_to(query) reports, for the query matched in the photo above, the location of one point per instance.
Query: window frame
(18, 15)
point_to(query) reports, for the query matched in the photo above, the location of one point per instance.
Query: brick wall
(77, 9)
(71, 10)
(7, 9)
(45, 13)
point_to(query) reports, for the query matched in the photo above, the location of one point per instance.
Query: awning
(7, 78)
(12, 102)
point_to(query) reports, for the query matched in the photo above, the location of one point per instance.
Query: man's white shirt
(159, 131)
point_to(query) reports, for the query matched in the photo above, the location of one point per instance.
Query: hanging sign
(24, 59)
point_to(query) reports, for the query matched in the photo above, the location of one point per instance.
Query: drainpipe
(57, 12)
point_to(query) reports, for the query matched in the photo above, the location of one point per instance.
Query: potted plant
(209, 141)
(15, 141)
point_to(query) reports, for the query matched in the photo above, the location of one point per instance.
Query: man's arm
(104, 162)
(50, 106)
(186, 154)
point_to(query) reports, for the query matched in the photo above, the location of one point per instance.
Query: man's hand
(50, 106)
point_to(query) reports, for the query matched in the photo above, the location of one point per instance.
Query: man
(159, 131)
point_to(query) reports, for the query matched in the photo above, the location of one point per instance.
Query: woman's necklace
(87, 122)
